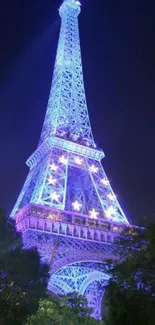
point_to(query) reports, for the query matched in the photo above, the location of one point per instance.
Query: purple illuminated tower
(67, 207)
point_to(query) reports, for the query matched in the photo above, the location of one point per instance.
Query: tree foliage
(77, 303)
(69, 310)
(23, 279)
(130, 294)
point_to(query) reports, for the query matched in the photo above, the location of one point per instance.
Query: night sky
(118, 53)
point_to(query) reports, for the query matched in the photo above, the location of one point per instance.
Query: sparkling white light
(93, 169)
(111, 196)
(55, 196)
(51, 180)
(78, 3)
(54, 167)
(110, 211)
(76, 205)
(105, 181)
(93, 214)
(78, 160)
(63, 160)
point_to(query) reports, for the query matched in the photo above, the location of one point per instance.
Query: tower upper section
(66, 175)
(75, 5)
(67, 114)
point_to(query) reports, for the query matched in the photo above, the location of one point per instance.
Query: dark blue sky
(118, 51)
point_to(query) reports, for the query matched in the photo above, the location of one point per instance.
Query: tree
(69, 310)
(77, 303)
(48, 313)
(23, 279)
(130, 294)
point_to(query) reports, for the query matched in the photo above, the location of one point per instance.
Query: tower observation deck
(67, 207)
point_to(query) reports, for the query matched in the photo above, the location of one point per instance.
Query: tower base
(76, 251)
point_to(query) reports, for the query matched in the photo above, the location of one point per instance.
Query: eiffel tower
(67, 208)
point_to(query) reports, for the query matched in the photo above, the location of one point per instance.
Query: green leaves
(9, 238)
(130, 293)
(69, 310)
(47, 313)
(77, 303)
(23, 279)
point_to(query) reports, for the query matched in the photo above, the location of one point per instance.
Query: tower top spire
(74, 4)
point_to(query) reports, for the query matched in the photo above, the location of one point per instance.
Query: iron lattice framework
(67, 207)
(67, 108)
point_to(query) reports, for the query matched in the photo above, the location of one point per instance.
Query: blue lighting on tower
(67, 195)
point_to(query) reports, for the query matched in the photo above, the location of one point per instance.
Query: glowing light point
(76, 205)
(111, 196)
(110, 211)
(55, 196)
(51, 180)
(54, 167)
(78, 3)
(93, 214)
(93, 169)
(78, 160)
(63, 160)
(105, 181)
